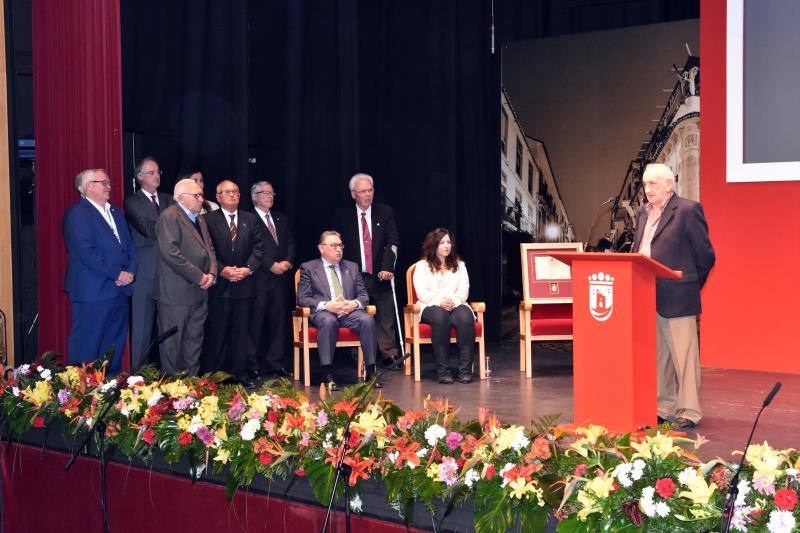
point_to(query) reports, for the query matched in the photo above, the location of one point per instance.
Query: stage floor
(730, 398)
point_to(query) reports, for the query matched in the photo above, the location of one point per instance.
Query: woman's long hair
(430, 245)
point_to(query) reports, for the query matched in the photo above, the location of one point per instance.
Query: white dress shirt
(228, 217)
(105, 212)
(432, 288)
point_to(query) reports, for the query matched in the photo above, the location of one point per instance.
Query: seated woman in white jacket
(442, 286)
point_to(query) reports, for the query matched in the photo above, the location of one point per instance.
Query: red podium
(614, 345)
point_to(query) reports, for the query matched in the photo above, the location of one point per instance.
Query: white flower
(740, 518)
(392, 456)
(154, 398)
(133, 380)
(39, 368)
(520, 440)
(622, 472)
(105, 387)
(249, 429)
(23, 370)
(434, 433)
(662, 509)
(15, 391)
(780, 521)
(471, 477)
(646, 502)
(196, 423)
(125, 412)
(327, 442)
(637, 469)
(410, 465)
(46, 374)
(792, 472)
(355, 503)
(744, 490)
(422, 452)
(687, 476)
(89, 422)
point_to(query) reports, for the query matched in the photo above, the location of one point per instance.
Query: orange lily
(358, 468)
(406, 452)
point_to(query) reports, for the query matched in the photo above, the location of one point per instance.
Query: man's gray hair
(660, 171)
(183, 186)
(358, 177)
(328, 233)
(138, 170)
(258, 184)
(83, 177)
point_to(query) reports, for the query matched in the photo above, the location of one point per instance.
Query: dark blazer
(142, 216)
(184, 256)
(246, 252)
(680, 242)
(313, 286)
(384, 236)
(283, 250)
(95, 256)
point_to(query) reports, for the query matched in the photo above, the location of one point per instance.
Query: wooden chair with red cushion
(545, 313)
(417, 333)
(304, 337)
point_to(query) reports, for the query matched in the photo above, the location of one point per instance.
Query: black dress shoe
(446, 380)
(390, 361)
(254, 375)
(662, 421)
(279, 373)
(683, 423)
(330, 382)
(466, 378)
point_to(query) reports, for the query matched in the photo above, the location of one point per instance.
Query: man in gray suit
(141, 212)
(334, 290)
(187, 267)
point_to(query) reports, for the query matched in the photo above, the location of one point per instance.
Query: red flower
(300, 472)
(149, 436)
(785, 499)
(665, 487)
(489, 472)
(580, 470)
(185, 438)
(38, 422)
(264, 458)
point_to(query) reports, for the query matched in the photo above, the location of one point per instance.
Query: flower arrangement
(516, 477)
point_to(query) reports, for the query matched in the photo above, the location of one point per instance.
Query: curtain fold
(78, 125)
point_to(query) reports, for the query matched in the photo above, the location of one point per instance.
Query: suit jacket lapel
(98, 217)
(322, 277)
(667, 215)
(188, 225)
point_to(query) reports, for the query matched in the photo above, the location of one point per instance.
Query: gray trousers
(328, 325)
(181, 352)
(143, 317)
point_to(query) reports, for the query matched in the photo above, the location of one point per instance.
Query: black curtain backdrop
(306, 93)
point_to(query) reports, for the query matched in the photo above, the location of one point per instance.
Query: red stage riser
(40, 497)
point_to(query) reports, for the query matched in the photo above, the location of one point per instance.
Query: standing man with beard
(270, 318)
(371, 240)
(237, 239)
(141, 211)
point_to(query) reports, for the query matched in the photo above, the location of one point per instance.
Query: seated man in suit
(334, 290)
(101, 266)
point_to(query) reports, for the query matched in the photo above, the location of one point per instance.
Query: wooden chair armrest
(478, 307)
(412, 308)
(301, 311)
(525, 306)
(371, 310)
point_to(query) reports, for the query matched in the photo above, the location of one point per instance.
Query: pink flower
(453, 440)
(665, 487)
(580, 470)
(763, 485)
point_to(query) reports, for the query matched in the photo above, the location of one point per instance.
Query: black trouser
(380, 295)
(225, 345)
(269, 343)
(441, 321)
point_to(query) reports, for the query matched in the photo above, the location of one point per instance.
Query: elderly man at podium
(674, 232)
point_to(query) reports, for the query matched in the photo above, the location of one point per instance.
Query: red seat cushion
(345, 335)
(551, 319)
(425, 331)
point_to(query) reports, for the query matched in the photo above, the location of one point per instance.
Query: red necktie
(367, 238)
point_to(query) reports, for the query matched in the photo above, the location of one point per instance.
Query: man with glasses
(269, 341)
(237, 238)
(101, 266)
(334, 290)
(187, 267)
(141, 211)
(371, 240)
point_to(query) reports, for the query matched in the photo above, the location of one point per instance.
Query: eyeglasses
(365, 191)
(197, 195)
(335, 246)
(268, 193)
(229, 192)
(150, 172)
(105, 183)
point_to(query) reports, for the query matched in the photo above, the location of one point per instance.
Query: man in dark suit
(371, 239)
(334, 290)
(101, 266)
(268, 325)
(238, 239)
(187, 267)
(674, 232)
(141, 211)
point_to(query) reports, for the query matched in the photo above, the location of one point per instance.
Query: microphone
(613, 199)
(161, 338)
(733, 491)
